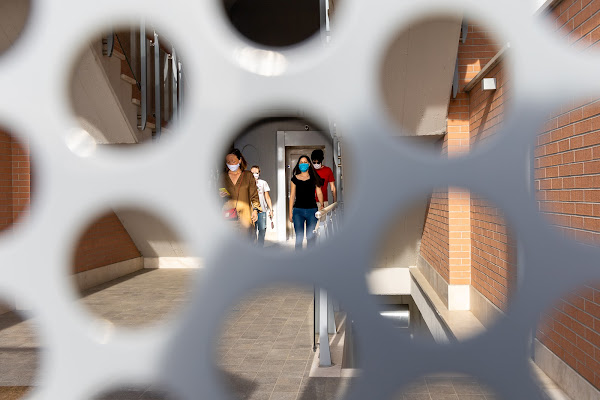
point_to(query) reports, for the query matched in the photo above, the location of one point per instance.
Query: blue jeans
(299, 216)
(261, 227)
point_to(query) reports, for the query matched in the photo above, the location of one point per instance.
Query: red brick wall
(435, 240)
(492, 263)
(21, 180)
(105, 242)
(6, 210)
(571, 331)
(487, 107)
(15, 179)
(567, 170)
(459, 232)
(493, 253)
(567, 182)
(577, 22)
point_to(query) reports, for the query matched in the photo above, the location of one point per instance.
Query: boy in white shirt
(265, 203)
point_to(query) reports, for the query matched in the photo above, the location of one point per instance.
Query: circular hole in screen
(441, 87)
(13, 17)
(264, 161)
(19, 351)
(567, 170)
(568, 333)
(117, 97)
(453, 246)
(573, 23)
(149, 392)
(132, 269)
(447, 386)
(16, 177)
(269, 347)
(280, 24)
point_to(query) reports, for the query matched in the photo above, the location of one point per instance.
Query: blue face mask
(303, 167)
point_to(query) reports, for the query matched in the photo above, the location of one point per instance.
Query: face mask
(233, 168)
(303, 167)
(255, 176)
(317, 165)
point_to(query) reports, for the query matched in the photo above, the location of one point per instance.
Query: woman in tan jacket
(241, 191)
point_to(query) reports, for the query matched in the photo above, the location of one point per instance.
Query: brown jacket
(245, 194)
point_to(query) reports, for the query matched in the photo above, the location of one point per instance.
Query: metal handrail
(143, 116)
(175, 77)
(326, 210)
(157, 114)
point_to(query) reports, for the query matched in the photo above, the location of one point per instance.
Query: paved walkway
(265, 351)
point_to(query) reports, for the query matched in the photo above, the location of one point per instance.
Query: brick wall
(15, 177)
(567, 170)
(571, 330)
(6, 210)
(459, 232)
(577, 22)
(21, 181)
(105, 242)
(567, 182)
(492, 263)
(493, 253)
(435, 240)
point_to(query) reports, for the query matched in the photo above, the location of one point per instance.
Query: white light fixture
(489, 84)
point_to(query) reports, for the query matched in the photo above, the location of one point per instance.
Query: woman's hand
(291, 219)
(254, 216)
(271, 214)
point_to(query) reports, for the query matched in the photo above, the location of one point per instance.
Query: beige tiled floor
(265, 351)
(447, 388)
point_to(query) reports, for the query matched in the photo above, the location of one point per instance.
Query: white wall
(151, 236)
(417, 75)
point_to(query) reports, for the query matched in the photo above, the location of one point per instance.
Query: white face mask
(317, 166)
(233, 168)
(255, 176)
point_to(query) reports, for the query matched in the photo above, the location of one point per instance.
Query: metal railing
(171, 80)
(327, 221)
(324, 307)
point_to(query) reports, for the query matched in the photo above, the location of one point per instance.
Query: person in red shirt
(326, 174)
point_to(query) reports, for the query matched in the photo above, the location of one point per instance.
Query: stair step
(118, 53)
(126, 73)
(136, 94)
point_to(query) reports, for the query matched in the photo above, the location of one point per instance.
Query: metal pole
(324, 353)
(143, 78)
(166, 87)
(180, 89)
(174, 85)
(157, 114)
(314, 319)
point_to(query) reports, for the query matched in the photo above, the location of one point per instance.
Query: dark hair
(238, 154)
(255, 166)
(311, 170)
(317, 155)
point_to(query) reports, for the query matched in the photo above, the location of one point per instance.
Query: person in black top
(303, 205)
